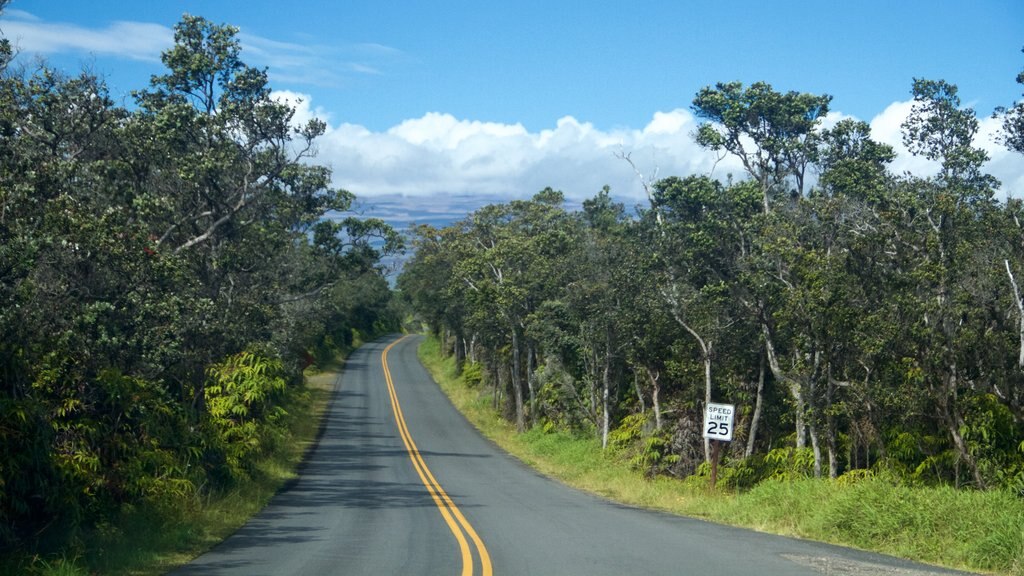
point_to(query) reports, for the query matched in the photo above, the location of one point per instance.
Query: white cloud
(132, 40)
(887, 128)
(443, 132)
(438, 154)
(304, 112)
(318, 65)
(441, 155)
(1005, 165)
(288, 62)
(667, 122)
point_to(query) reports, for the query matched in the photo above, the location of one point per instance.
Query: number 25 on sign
(718, 422)
(717, 429)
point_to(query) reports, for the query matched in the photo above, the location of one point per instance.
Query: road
(401, 483)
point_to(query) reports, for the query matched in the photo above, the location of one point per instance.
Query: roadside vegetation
(940, 525)
(169, 270)
(144, 540)
(867, 326)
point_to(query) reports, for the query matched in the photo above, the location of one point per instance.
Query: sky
(435, 108)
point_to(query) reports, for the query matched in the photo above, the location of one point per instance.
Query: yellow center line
(441, 499)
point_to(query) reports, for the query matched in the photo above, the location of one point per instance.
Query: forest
(168, 267)
(862, 322)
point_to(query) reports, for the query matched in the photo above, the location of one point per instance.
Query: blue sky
(481, 99)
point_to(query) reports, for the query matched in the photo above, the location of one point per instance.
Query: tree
(511, 262)
(771, 133)
(1013, 122)
(1013, 139)
(853, 165)
(698, 245)
(954, 206)
(597, 297)
(775, 137)
(222, 182)
(939, 129)
(138, 249)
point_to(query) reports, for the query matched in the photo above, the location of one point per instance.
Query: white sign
(718, 422)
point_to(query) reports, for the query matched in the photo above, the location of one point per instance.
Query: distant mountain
(402, 212)
(438, 210)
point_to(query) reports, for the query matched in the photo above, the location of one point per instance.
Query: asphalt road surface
(401, 483)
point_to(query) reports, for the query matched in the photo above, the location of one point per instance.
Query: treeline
(167, 269)
(860, 320)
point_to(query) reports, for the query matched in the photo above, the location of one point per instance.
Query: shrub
(242, 395)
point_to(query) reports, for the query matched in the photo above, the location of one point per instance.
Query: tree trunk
(639, 392)
(758, 402)
(812, 403)
(706, 346)
(517, 381)
(954, 422)
(496, 378)
(655, 397)
(1019, 301)
(816, 448)
(801, 419)
(795, 389)
(592, 376)
(460, 353)
(606, 377)
(531, 365)
(830, 429)
(707, 395)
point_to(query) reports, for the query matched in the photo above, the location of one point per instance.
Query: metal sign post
(718, 420)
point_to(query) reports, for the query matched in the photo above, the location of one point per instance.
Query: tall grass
(978, 531)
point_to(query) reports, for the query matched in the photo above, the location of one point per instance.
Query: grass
(968, 530)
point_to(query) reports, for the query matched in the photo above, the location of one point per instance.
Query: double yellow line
(457, 523)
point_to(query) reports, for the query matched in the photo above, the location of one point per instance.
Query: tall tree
(139, 250)
(774, 136)
(771, 133)
(512, 260)
(954, 206)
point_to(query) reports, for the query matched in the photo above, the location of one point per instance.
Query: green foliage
(646, 449)
(866, 313)
(871, 510)
(772, 133)
(789, 463)
(1013, 122)
(871, 317)
(974, 530)
(242, 398)
(780, 464)
(145, 253)
(991, 433)
(59, 567)
(473, 374)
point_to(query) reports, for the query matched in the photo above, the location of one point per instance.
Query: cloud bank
(440, 155)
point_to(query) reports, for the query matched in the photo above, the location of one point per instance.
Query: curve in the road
(459, 526)
(370, 500)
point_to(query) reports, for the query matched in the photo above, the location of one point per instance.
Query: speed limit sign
(718, 421)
